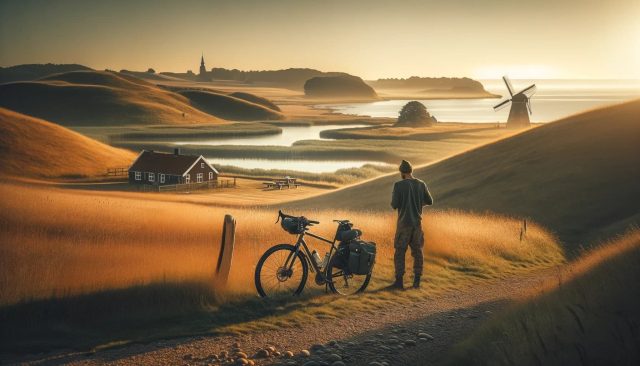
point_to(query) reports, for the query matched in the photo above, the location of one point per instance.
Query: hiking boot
(416, 282)
(397, 285)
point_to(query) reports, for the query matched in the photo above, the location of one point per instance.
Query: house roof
(166, 163)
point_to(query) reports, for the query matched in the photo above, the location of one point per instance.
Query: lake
(554, 99)
(288, 136)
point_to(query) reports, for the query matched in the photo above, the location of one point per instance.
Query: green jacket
(408, 197)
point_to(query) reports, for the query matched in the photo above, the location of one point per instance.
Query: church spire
(203, 69)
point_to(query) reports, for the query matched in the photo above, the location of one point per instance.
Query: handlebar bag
(292, 225)
(362, 256)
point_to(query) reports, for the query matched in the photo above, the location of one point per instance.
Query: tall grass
(588, 315)
(60, 251)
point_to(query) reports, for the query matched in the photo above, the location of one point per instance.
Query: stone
(333, 343)
(410, 342)
(425, 336)
(271, 349)
(241, 355)
(311, 363)
(288, 354)
(242, 361)
(252, 362)
(334, 357)
(317, 347)
(305, 353)
(338, 363)
(235, 345)
(375, 363)
(262, 353)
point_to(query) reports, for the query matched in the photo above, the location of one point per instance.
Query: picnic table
(282, 183)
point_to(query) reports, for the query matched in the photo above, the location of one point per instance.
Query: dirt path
(405, 334)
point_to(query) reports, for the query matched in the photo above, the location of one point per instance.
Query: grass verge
(589, 316)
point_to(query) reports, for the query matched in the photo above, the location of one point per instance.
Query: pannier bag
(362, 256)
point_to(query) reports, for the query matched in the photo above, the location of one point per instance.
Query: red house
(159, 168)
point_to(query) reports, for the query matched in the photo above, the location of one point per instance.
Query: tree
(151, 71)
(414, 113)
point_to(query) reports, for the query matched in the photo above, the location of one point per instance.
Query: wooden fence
(226, 183)
(117, 172)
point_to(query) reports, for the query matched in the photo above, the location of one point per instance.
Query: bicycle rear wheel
(344, 283)
(281, 272)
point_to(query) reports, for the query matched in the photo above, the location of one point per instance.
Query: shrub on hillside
(415, 113)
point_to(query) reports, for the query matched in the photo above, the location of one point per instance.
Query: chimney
(176, 151)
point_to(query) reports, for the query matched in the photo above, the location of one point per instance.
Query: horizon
(379, 40)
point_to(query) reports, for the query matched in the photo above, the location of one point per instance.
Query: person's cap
(405, 167)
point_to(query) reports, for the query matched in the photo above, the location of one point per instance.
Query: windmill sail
(529, 91)
(499, 106)
(508, 84)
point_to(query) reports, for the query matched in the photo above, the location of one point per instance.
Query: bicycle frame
(307, 253)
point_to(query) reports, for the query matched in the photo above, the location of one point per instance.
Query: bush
(415, 113)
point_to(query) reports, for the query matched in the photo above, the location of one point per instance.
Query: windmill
(520, 105)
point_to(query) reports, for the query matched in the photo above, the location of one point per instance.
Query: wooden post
(226, 251)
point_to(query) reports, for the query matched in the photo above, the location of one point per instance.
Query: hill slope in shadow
(579, 176)
(94, 98)
(31, 147)
(232, 107)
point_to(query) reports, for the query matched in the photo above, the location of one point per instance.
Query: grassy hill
(35, 71)
(231, 107)
(31, 147)
(577, 176)
(592, 319)
(93, 98)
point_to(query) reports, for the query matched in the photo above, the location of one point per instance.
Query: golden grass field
(58, 241)
(588, 315)
(65, 255)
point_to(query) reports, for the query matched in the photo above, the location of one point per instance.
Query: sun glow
(516, 72)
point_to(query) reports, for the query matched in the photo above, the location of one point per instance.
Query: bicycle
(284, 268)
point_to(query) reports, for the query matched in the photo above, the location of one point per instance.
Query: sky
(581, 39)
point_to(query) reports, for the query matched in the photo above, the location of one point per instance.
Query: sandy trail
(361, 339)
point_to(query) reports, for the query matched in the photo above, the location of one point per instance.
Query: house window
(202, 165)
(210, 175)
(161, 178)
(199, 177)
(138, 176)
(187, 178)
(152, 177)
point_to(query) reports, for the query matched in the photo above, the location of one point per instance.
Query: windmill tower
(520, 105)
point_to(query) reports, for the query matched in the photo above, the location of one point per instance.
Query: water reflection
(288, 136)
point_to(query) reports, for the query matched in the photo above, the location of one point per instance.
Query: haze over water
(554, 99)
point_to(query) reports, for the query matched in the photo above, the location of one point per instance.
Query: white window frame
(161, 178)
(138, 175)
(210, 175)
(201, 165)
(187, 179)
(152, 177)
(199, 177)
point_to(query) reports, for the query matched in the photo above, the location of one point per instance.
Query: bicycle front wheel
(281, 271)
(344, 283)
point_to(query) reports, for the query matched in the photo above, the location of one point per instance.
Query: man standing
(409, 196)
